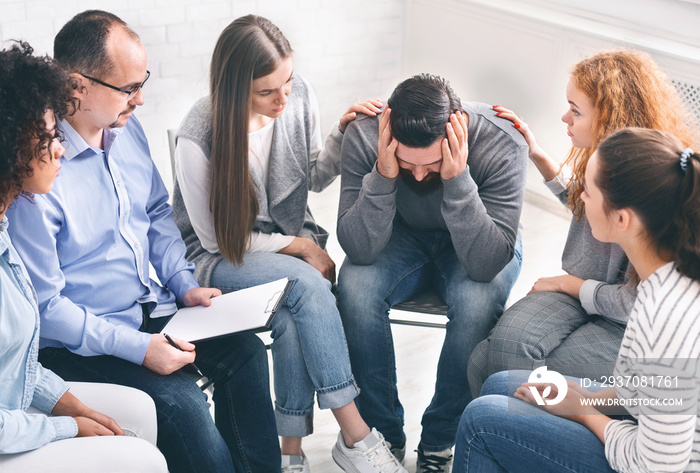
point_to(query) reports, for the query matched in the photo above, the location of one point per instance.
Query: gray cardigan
(283, 208)
(480, 207)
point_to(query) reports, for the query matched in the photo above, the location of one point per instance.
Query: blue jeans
(411, 262)
(309, 350)
(243, 439)
(499, 433)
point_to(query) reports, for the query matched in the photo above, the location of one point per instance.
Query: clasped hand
(313, 254)
(571, 407)
(90, 422)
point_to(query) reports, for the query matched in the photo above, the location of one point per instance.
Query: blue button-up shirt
(23, 380)
(88, 242)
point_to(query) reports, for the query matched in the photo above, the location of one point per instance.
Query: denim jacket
(24, 382)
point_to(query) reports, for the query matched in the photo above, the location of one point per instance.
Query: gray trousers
(547, 328)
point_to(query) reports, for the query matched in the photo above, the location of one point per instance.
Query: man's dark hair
(81, 45)
(420, 109)
(29, 86)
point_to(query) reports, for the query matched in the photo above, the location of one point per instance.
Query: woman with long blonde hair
(246, 157)
(574, 323)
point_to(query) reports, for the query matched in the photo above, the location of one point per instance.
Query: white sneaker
(295, 464)
(369, 455)
(434, 462)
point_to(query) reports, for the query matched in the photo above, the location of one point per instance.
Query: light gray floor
(417, 349)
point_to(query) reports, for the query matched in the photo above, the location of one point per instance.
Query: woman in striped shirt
(642, 191)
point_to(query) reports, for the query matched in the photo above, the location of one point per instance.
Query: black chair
(428, 302)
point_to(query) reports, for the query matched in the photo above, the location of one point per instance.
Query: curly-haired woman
(36, 407)
(574, 323)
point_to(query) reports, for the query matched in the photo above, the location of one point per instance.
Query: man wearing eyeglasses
(87, 246)
(130, 92)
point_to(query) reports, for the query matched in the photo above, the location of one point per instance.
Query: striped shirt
(656, 376)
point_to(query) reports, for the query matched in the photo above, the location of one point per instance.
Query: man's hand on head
(200, 296)
(387, 164)
(454, 148)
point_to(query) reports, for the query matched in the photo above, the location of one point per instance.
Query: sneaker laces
(382, 457)
(301, 467)
(293, 469)
(433, 463)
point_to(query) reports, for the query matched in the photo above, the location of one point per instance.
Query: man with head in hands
(431, 197)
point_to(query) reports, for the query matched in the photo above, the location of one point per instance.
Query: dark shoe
(434, 462)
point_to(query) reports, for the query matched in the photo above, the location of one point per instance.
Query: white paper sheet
(233, 312)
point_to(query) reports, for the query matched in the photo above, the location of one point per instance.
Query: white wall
(517, 53)
(348, 49)
(512, 52)
(675, 20)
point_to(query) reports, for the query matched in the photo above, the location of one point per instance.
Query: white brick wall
(348, 49)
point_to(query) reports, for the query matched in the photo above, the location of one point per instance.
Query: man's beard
(429, 184)
(116, 123)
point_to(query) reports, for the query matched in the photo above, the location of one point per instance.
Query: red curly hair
(627, 89)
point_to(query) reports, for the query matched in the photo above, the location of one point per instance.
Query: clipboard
(248, 310)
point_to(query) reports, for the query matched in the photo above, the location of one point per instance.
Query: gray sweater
(480, 208)
(604, 266)
(283, 201)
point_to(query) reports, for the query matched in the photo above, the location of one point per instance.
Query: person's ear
(624, 219)
(79, 83)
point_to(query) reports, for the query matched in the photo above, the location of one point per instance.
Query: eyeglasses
(129, 92)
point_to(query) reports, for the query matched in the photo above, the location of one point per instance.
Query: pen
(172, 342)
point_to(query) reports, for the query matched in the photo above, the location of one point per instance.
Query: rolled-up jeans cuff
(300, 423)
(339, 395)
(294, 423)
